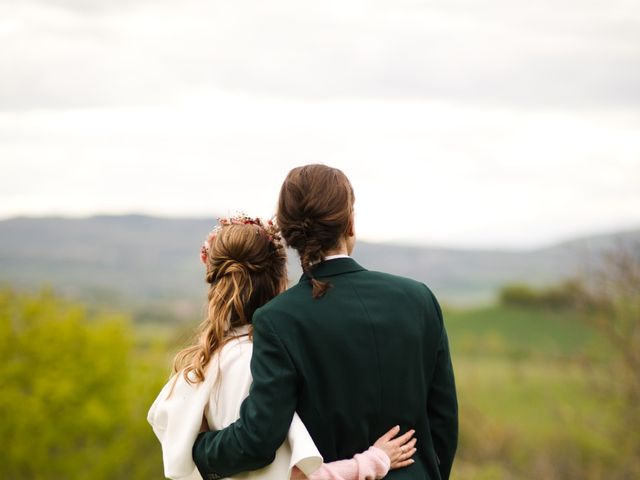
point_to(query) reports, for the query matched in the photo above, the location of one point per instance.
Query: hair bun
(227, 266)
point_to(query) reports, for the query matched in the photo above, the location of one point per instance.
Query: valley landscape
(142, 260)
(92, 311)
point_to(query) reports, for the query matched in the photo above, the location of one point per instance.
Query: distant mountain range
(142, 260)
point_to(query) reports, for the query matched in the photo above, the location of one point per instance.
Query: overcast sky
(485, 123)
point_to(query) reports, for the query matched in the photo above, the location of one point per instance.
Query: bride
(245, 268)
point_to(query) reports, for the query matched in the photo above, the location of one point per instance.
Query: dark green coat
(372, 353)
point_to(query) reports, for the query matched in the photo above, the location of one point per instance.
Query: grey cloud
(555, 54)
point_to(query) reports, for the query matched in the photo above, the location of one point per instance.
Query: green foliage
(559, 296)
(72, 405)
(610, 302)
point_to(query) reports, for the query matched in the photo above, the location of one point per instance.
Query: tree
(610, 301)
(67, 409)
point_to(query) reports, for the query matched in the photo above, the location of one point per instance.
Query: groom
(354, 352)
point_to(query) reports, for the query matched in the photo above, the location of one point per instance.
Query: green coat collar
(337, 266)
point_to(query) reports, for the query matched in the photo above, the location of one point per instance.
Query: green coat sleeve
(251, 441)
(442, 407)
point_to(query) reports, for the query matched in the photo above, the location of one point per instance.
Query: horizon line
(595, 233)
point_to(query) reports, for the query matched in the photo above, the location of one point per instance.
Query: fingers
(390, 434)
(401, 463)
(403, 460)
(407, 451)
(404, 438)
(401, 454)
(406, 463)
(387, 437)
(400, 449)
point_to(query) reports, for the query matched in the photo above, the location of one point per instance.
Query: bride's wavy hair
(246, 267)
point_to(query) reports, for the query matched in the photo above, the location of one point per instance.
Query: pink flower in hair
(204, 250)
(270, 230)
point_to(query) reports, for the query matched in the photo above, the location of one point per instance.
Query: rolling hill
(142, 260)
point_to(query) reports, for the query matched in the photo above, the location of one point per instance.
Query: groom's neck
(341, 249)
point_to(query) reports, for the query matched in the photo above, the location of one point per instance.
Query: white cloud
(423, 171)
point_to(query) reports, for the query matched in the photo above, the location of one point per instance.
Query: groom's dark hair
(314, 212)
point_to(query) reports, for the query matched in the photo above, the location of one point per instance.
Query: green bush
(559, 296)
(72, 404)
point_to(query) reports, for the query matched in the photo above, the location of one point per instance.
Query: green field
(528, 408)
(531, 386)
(513, 332)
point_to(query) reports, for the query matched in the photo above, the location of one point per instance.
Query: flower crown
(267, 228)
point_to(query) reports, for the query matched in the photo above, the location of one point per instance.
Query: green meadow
(532, 384)
(529, 402)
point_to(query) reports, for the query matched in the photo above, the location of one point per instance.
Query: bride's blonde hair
(245, 268)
